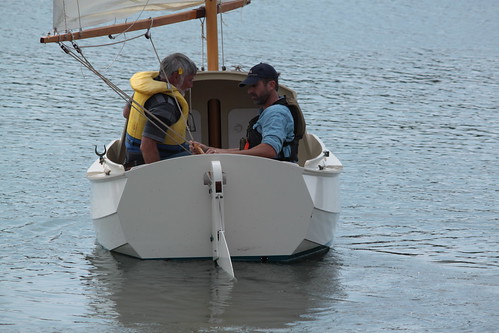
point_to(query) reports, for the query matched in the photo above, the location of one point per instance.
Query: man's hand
(198, 148)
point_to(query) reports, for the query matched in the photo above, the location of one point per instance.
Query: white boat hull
(273, 210)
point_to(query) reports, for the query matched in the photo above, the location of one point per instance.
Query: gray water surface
(404, 93)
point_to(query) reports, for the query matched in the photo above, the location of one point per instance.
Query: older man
(159, 133)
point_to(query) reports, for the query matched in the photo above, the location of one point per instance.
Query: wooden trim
(142, 24)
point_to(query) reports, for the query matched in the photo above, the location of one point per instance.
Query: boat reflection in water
(191, 296)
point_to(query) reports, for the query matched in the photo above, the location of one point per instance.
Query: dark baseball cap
(259, 72)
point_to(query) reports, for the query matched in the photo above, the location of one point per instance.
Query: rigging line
(113, 43)
(184, 118)
(111, 64)
(222, 38)
(135, 21)
(190, 114)
(90, 67)
(125, 40)
(145, 113)
(82, 60)
(65, 17)
(122, 33)
(109, 44)
(203, 38)
(115, 88)
(79, 15)
(187, 127)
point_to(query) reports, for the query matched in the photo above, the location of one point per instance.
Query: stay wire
(203, 39)
(222, 38)
(129, 99)
(170, 85)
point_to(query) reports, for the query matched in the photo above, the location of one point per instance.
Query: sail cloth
(78, 14)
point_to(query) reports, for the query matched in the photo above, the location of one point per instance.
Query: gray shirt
(164, 108)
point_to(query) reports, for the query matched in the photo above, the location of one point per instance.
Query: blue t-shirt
(276, 126)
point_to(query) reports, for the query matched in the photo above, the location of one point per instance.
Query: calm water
(405, 93)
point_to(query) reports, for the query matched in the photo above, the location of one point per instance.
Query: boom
(142, 24)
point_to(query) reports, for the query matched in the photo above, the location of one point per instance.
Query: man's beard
(260, 100)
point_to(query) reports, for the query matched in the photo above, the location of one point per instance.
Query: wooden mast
(214, 112)
(212, 34)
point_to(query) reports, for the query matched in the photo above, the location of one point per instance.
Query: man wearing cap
(271, 133)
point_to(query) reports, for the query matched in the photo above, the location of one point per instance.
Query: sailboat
(224, 207)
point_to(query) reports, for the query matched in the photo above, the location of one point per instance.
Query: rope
(175, 98)
(138, 17)
(222, 38)
(203, 38)
(65, 16)
(84, 61)
(144, 112)
(113, 43)
(79, 16)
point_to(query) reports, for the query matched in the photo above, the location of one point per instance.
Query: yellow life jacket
(144, 87)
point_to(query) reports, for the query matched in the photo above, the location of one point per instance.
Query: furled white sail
(78, 14)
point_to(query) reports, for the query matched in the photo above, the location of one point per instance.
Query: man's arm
(262, 150)
(164, 108)
(149, 150)
(126, 110)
